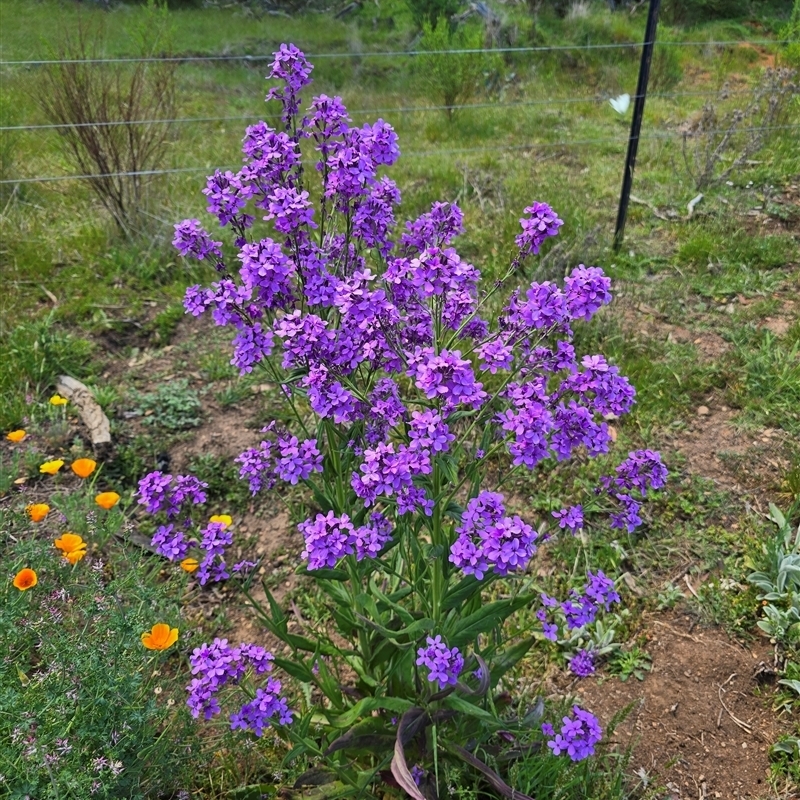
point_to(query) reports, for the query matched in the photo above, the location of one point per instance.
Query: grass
(85, 302)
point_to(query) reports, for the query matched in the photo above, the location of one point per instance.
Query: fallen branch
(89, 409)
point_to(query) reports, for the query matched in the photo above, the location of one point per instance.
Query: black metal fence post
(636, 123)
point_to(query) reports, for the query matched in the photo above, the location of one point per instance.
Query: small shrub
(452, 79)
(790, 34)
(719, 142)
(431, 12)
(691, 12)
(115, 96)
(666, 71)
(173, 406)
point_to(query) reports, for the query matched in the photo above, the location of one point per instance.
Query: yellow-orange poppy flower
(38, 511)
(51, 467)
(25, 579)
(16, 436)
(72, 546)
(107, 500)
(83, 467)
(161, 637)
(58, 400)
(224, 519)
(189, 564)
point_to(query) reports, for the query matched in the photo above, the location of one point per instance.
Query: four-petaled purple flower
(577, 737)
(444, 664)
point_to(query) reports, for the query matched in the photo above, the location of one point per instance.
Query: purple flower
(258, 467)
(153, 492)
(290, 209)
(191, 240)
(642, 470)
(542, 222)
(495, 355)
(265, 706)
(292, 69)
(429, 432)
(586, 290)
(170, 543)
(570, 518)
(297, 460)
(577, 737)
(487, 540)
(435, 229)
(582, 663)
(327, 538)
(251, 346)
(267, 273)
(446, 376)
(218, 664)
(160, 492)
(370, 538)
(443, 664)
(417, 773)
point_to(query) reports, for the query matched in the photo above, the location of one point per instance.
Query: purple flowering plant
(404, 378)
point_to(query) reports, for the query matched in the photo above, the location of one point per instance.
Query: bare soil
(700, 723)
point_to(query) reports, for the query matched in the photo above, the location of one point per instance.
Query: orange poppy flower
(161, 637)
(58, 400)
(38, 511)
(107, 500)
(25, 579)
(224, 519)
(51, 467)
(16, 436)
(72, 546)
(189, 564)
(83, 467)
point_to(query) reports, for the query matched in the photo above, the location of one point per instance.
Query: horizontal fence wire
(412, 154)
(389, 109)
(386, 53)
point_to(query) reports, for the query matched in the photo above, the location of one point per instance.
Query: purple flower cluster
(577, 736)
(580, 608)
(218, 664)
(175, 497)
(582, 663)
(159, 492)
(541, 223)
(570, 518)
(490, 541)
(328, 538)
(444, 664)
(287, 459)
(642, 470)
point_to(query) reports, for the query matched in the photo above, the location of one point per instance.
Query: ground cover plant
(704, 323)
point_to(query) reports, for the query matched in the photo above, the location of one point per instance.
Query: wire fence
(388, 53)
(414, 109)
(411, 154)
(364, 111)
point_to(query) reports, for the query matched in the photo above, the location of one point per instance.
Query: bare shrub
(716, 143)
(99, 105)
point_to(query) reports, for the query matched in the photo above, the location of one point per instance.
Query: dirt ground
(700, 722)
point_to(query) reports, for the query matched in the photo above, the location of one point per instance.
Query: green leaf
(465, 589)
(366, 706)
(295, 669)
(509, 658)
(463, 706)
(465, 630)
(323, 574)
